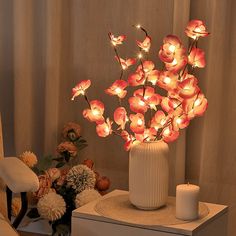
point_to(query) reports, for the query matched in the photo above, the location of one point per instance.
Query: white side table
(87, 222)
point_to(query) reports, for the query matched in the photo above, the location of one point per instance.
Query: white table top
(87, 212)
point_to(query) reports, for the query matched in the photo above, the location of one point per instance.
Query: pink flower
(147, 135)
(196, 29)
(125, 63)
(169, 104)
(159, 120)
(171, 44)
(137, 104)
(136, 79)
(188, 87)
(169, 135)
(150, 98)
(180, 122)
(95, 114)
(146, 68)
(137, 123)
(147, 71)
(145, 45)
(168, 80)
(197, 58)
(104, 129)
(120, 117)
(117, 88)
(195, 106)
(116, 40)
(179, 61)
(80, 88)
(129, 139)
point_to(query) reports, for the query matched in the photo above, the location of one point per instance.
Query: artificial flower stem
(117, 55)
(86, 99)
(189, 51)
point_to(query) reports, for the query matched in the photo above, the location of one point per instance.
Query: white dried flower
(51, 206)
(88, 195)
(29, 158)
(80, 177)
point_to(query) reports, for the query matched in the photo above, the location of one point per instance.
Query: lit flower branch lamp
(153, 120)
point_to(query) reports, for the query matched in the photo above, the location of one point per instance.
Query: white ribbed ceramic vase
(148, 175)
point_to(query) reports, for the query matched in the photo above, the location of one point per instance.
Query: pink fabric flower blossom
(125, 63)
(171, 44)
(80, 88)
(145, 45)
(95, 114)
(137, 123)
(137, 104)
(197, 58)
(104, 129)
(116, 40)
(120, 117)
(117, 88)
(196, 29)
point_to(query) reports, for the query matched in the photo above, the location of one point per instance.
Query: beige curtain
(46, 46)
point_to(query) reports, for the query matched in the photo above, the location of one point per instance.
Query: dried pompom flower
(72, 131)
(51, 206)
(80, 177)
(29, 158)
(86, 196)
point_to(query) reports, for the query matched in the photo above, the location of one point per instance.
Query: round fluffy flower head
(15, 206)
(72, 131)
(196, 29)
(80, 88)
(29, 158)
(95, 113)
(67, 147)
(86, 196)
(80, 177)
(51, 206)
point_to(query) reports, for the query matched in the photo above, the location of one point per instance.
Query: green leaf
(45, 163)
(82, 145)
(60, 164)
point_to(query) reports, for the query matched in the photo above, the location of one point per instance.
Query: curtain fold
(47, 46)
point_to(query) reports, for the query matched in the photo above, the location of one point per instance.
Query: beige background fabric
(47, 46)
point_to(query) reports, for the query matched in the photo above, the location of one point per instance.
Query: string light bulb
(140, 56)
(138, 26)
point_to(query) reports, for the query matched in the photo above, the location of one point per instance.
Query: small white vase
(148, 175)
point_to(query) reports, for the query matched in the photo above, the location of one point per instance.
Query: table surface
(87, 212)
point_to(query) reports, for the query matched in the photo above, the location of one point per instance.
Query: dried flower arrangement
(154, 117)
(65, 183)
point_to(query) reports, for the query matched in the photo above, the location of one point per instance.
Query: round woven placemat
(119, 208)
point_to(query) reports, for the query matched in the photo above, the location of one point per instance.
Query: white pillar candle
(187, 196)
